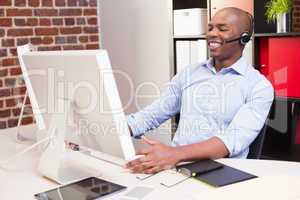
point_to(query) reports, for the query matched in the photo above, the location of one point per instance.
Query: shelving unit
(282, 144)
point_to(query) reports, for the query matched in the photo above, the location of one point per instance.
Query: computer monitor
(85, 79)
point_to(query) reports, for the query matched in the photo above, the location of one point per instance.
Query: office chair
(256, 146)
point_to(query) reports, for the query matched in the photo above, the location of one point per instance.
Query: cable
(23, 152)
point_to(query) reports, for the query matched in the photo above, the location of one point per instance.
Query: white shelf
(190, 37)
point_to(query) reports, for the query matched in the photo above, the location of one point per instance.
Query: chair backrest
(256, 147)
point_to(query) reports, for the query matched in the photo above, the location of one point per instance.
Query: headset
(245, 37)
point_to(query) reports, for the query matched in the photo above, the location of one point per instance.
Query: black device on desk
(197, 168)
(214, 173)
(91, 188)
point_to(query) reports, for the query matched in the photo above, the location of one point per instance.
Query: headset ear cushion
(245, 37)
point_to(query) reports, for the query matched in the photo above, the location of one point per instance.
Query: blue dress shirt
(231, 104)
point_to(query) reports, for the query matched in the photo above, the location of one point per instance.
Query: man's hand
(156, 158)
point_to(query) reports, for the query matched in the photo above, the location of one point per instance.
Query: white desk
(278, 180)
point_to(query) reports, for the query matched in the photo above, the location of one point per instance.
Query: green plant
(275, 7)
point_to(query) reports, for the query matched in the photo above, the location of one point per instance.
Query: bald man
(223, 102)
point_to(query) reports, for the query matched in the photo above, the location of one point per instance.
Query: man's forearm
(210, 149)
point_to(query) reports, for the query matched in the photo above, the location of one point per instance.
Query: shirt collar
(239, 66)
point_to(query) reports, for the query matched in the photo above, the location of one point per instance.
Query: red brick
(47, 3)
(83, 39)
(83, 3)
(73, 47)
(92, 21)
(8, 42)
(26, 22)
(90, 29)
(57, 21)
(72, 2)
(4, 113)
(90, 11)
(71, 30)
(94, 38)
(5, 22)
(32, 22)
(34, 3)
(22, 41)
(69, 21)
(18, 90)
(47, 40)
(3, 52)
(40, 40)
(27, 120)
(12, 102)
(93, 3)
(2, 32)
(12, 123)
(3, 125)
(10, 61)
(3, 72)
(27, 111)
(20, 32)
(49, 48)
(15, 71)
(16, 112)
(11, 12)
(45, 12)
(60, 3)
(60, 40)
(70, 12)
(46, 31)
(4, 92)
(20, 3)
(80, 21)
(10, 82)
(45, 22)
(92, 46)
(71, 39)
(13, 51)
(5, 3)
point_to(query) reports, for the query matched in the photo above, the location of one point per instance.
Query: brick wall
(47, 24)
(296, 16)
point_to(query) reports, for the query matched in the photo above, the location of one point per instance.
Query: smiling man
(223, 102)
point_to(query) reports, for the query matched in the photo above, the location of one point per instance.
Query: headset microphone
(232, 40)
(243, 39)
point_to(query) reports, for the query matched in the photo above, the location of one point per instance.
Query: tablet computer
(91, 188)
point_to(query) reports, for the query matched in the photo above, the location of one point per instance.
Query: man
(223, 102)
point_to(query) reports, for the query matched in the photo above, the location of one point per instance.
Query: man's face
(223, 26)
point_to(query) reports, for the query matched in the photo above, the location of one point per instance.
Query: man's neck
(219, 64)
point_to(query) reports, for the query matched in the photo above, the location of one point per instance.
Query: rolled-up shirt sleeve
(249, 120)
(159, 111)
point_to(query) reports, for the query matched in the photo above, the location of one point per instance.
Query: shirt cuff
(134, 129)
(228, 143)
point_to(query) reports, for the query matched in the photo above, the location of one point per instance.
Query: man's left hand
(155, 158)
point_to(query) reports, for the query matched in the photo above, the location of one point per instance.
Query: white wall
(137, 34)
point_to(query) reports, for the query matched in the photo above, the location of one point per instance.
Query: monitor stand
(58, 163)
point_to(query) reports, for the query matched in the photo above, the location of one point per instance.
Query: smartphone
(91, 188)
